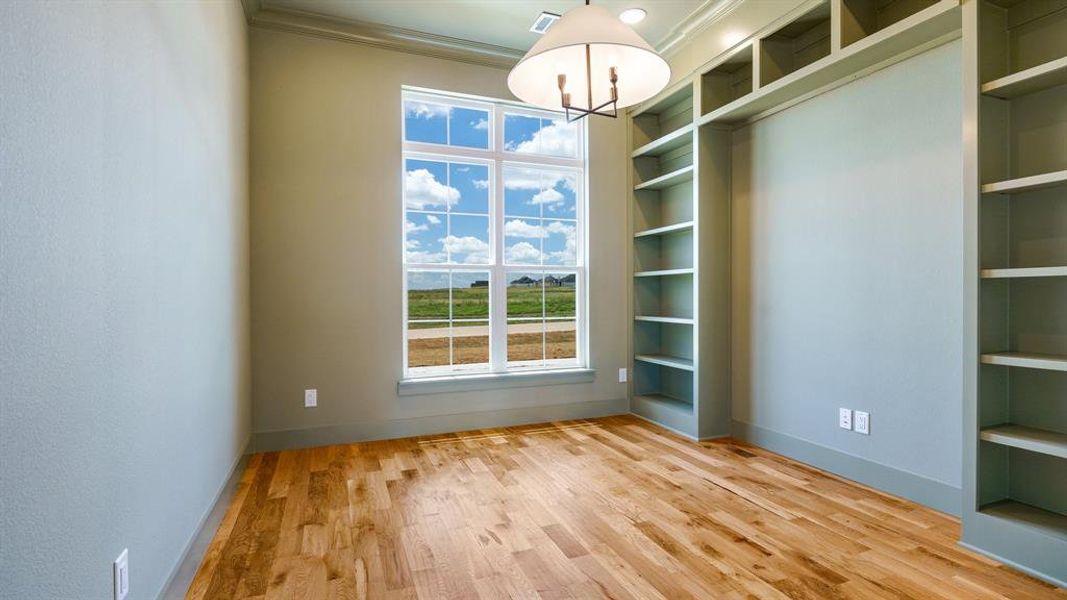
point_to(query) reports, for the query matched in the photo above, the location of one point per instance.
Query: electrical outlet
(863, 423)
(121, 575)
(844, 418)
(311, 398)
(622, 375)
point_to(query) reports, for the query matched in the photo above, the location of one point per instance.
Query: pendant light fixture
(589, 63)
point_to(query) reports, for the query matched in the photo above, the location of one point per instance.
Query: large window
(494, 204)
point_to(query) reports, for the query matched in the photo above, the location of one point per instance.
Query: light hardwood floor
(605, 508)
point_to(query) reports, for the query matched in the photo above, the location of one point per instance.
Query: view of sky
(447, 202)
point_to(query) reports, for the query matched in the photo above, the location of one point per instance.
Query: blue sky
(540, 204)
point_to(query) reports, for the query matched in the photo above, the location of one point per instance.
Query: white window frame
(497, 159)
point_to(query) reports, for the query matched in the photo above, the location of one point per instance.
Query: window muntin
(493, 238)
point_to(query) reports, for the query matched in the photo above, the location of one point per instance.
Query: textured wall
(848, 267)
(123, 286)
(326, 244)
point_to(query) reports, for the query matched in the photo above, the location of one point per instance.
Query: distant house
(568, 280)
(551, 281)
(480, 284)
(525, 281)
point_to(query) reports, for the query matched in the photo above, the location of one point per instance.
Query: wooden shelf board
(1048, 522)
(675, 139)
(1027, 438)
(674, 320)
(1024, 272)
(664, 272)
(1026, 360)
(672, 228)
(686, 364)
(667, 401)
(668, 179)
(1034, 79)
(1026, 184)
(903, 36)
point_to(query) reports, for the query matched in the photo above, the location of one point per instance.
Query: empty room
(491, 299)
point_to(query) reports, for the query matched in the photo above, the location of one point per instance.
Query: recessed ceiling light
(632, 15)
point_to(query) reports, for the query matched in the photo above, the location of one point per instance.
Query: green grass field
(473, 303)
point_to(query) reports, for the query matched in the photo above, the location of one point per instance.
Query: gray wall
(326, 250)
(848, 282)
(124, 268)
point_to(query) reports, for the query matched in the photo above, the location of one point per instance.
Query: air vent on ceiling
(543, 22)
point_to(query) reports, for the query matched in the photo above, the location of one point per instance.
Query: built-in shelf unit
(682, 144)
(1016, 507)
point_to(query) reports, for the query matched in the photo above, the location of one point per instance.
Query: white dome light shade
(562, 51)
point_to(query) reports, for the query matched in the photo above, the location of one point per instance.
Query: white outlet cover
(863, 423)
(622, 375)
(121, 575)
(311, 398)
(844, 418)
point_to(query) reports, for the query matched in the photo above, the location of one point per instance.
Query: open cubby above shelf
(863, 18)
(903, 27)
(1023, 46)
(670, 297)
(663, 118)
(728, 81)
(669, 254)
(795, 45)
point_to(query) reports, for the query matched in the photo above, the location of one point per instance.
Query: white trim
(497, 160)
(493, 381)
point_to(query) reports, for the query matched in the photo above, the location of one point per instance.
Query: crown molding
(380, 36)
(700, 19)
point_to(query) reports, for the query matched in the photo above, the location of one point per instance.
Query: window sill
(491, 381)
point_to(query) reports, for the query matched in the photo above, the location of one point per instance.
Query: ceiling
(498, 22)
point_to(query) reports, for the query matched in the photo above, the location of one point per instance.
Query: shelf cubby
(728, 81)
(863, 18)
(1024, 43)
(664, 339)
(660, 209)
(795, 45)
(664, 384)
(664, 297)
(1046, 522)
(921, 24)
(663, 121)
(669, 252)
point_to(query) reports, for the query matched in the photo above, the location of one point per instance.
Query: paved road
(483, 330)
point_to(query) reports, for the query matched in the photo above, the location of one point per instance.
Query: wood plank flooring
(604, 508)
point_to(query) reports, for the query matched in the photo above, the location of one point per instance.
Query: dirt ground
(475, 349)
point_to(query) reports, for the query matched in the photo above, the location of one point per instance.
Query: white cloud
(413, 255)
(476, 250)
(558, 139)
(523, 253)
(520, 228)
(425, 110)
(569, 253)
(433, 220)
(481, 124)
(422, 190)
(411, 227)
(482, 184)
(549, 196)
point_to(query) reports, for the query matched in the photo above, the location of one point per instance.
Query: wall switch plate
(844, 418)
(121, 575)
(863, 423)
(622, 375)
(311, 398)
